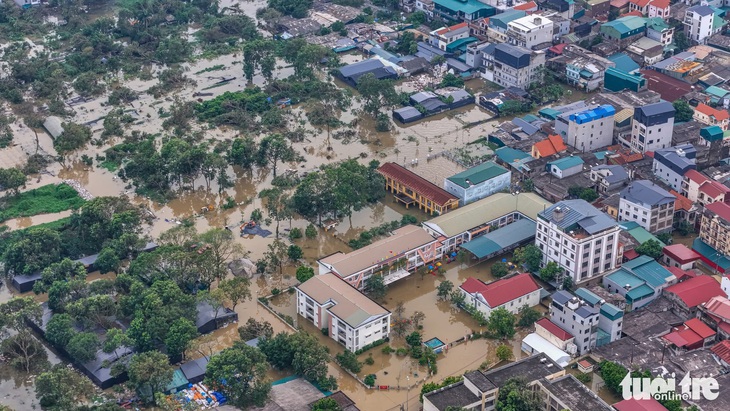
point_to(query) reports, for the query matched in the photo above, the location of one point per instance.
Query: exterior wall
(655, 11)
(558, 172)
(542, 332)
(670, 262)
(529, 31)
(441, 41)
(423, 203)
(581, 258)
(655, 220)
(583, 329)
(725, 285)
(426, 7)
(714, 231)
(697, 27)
(478, 191)
(710, 120)
(668, 175)
(650, 138)
(508, 76)
(612, 327)
(665, 37)
(587, 136)
(690, 189)
(532, 299)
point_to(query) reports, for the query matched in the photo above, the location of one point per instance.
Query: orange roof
(660, 4)
(552, 145)
(640, 3)
(636, 13)
(709, 111)
(682, 202)
(452, 28)
(527, 6)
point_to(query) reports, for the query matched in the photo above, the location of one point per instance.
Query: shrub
(311, 231)
(369, 361)
(275, 291)
(295, 233)
(387, 349)
(401, 352)
(370, 380)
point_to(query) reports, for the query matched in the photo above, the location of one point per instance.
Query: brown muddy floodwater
(25, 222)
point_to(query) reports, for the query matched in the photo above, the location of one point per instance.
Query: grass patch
(112, 166)
(47, 199)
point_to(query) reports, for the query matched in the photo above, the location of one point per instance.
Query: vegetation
(612, 373)
(584, 193)
(444, 289)
(550, 271)
(504, 352)
(529, 256)
(683, 111)
(18, 345)
(12, 179)
(304, 273)
(302, 353)
(651, 248)
(501, 323)
(375, 287)
(348, 360)
(433, 386)
(528, 316)
(255, 329)
(326, 404)
(149, 372)
(684, 228)
(451, 80)
(47, 199)
(238, 360)
(517, 395)
(62, 388)
(499, 269)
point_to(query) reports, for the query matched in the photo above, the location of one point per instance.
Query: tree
(516, 395)
(567, 282)
(528, 185)
(376, 93)
(59, 330)
(82, 347)
(73, 137)
(34, 250)
(499, 269)
(115, 339)
(107, 261)
(665, 238)
(295, 253)
(504, 352)
(612, 373)
(179, 336)
(18, 343)
(221, 248)
(681, 41)
(400, 327)
(273, 149)
(444, 288)
(278, 350)
(651, 248)
(684, 228)
(530, 256)
(243, 152)
(512, 108)
(417, 317)
(399, 310)
(276, 255)
(501, 323)
(301, 352)
(235, 290)
(414, 339)
(326, 404)
(276, 205)
(62, 388)
(11, 179)
(683, 111)
(255, 329)
(324, 115)
(149, 373)
(457, 297)
(311, 231)
(375, 287)
(304, 273)
(550, 271)
(528, 316)
(348, 360)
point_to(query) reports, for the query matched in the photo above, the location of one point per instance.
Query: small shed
(24, 283)
(585, 366)
(407, 114)
(209, 320)
(178, 382)
(53, 126)
(194, 371)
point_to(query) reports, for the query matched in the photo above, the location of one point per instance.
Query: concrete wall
(478, 191)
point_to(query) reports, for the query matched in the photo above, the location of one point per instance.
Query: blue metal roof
(624, 62)
(649, 270)
(710, 254)
(611, 311)
(580, 213)
(623, 277)
(639, 293)
(505, 237)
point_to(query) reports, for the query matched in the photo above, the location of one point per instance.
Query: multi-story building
(582, 240)
(703, 190)
(393, 257)
(715, 227)
(671, 164)
(587, 73)
(550, 146)
(446, 35)
(509, 293)
(411, 189)
(624, 30)
(700, 23)
(610, 317)
(514, 66)
(554, 334)
(425, 6)
(651, 8)
(530, 31)
(712, 116)
(658, 29)
(350, 317)
(652, 127)
(607, 178)
(478, 182)
(587, 129)
(639, 281)
(576, 317)
(647, 204)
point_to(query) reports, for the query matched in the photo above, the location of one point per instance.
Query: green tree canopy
(149, 373)
(528, 316)
(683, 111)
(179, 336)
(62, 388)
(244, 370)
(304, 273)
(83, 346)
(651, 248)
(501, 323)
(516, 395)
(530, 256)
(12, 179)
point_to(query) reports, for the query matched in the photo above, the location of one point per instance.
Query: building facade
(671, 164)
(514, 66)
(608, 178)
(582, 240)
(652, 127)
(446, 35)
(715, 227)
(478, 182)
(530, 31)
(699, 23)
(587, 129)
(576, 317)
(712, 116)
(509, 293)
(647, 204)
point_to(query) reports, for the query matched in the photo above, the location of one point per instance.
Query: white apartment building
(699, 23)
(530, 31)
(652, 127)
(509, 293)
(671, 164)
(512, 66)
(582, 240)
(351, 318)
(576, 317)
(647, 204)
(587, 129)
(446, 35)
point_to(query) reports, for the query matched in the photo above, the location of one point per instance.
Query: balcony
(396, 275)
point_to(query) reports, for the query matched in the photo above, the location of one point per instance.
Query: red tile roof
(721, 209)
(660, 4)
(631, 254)
(502, 291)
(696, 291)
(553, 329)
(683, 337)
(700, 328)
(709, 111)
(681, 274)
(713, 188)
(636, 13)
(526, 6)
(417, 183)
(452, 28)
(640, 3)
(720, 308)
(722, 350)
(681, 253)
(682, 202)
(558, 48)
(669, 88)
(696, 176)
(552, 145)
(639, 405)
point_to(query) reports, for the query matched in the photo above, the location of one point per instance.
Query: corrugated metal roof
(477, 175)
(566, 162)
(581, 213)
(508, 236)
(646, 193)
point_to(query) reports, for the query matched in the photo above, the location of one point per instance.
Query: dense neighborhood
(349, 205)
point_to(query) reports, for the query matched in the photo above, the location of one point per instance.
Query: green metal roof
(639, 293)
(623, 277)
(510, 155)
(507, 236)
(466, 7)
(641, 235)
(656, 23)
(717, 22)
(566, 162)
(458, 44)
(647, 269)
(550, 113)
(587, 296)
(716, 91)
(710, 254)
(626, 24)
(501, 19)
(477, 175)
(624, 62)
(711, 133)
(178, 381)
(611, 311)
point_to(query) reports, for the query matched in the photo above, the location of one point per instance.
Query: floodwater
(25, 222)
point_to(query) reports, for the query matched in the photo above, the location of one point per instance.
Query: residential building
(650, 8)
(468, 10)
(495, 28)
(576, 317)
(473, 220)
(640, 281)
(509, 293)
(425, 6)
(597, 8)
(350, 317)
(555, 335)
(691, 335)
(478, 182)
(582, 240)
(712, 116)
(671, 164)
(393, 257)
(646, 51)
(658, 29)
(535, 344)
(609, 178)
(718, 96)
(647, 204)
(587, 129)
(716, 313)
(550, 146)
(700, 23)
(690, 294)
(530, 31)
(680, 256)
(409, 188)
(703, 190)
(514, 66)
(565, 167)
(624, 30)
(446, 35)
(586, 72)
(652, 127)
(610, 319)
(351, 73)
(649, 404)
(715, 226)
